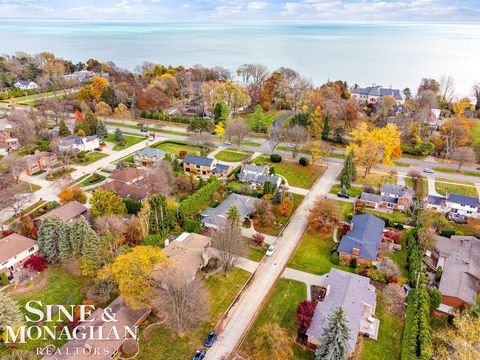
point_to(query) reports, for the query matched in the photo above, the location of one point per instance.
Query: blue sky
(292, 10)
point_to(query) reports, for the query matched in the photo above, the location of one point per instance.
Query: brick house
(40, 161)
(362, 240)
(204, 166)
(7, 141)
(14, 250)
(392, 196)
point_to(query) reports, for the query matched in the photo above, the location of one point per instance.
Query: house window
(31, 249)
(389, 205)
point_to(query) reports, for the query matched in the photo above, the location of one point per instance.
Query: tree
(236, 130)
(305, 311)
(315, 123)
(297, 135)
(476, 94)
(258, 120)
(118, 135)
(220, 129)
(10, 313)
(456, 133)
(220, 112)
(35, 263)
(286, 206)
(256, 72)
(121, 111)
(183, 299)
(324, 215)
(199, 125)
(228, 241)
(426, 238)
(53, 239)
(272, 343)
(429, 84)
(275, 136)
(63, 129)
(132, 272)
(263, 213)
(463, 155)
(24, 127)
(79, 231)
(334, 341)
(72, 194)
(349, 172)
(101, 290)
(106, 203)
(326, 127)
(91, 253)
(101, 130)
(233, 95)
(160, 178)
(233, 214)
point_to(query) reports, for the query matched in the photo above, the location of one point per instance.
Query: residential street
(244, 311)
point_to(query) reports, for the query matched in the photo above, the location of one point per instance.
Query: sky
(268, 10)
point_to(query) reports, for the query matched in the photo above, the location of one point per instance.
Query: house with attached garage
(362, 240)
(26, 85)
(215, 217)
(460, 204)
(40, 161)
(128, 183)
(205, 166)
(257, 176)
(148, 157)
(68, 212)
(15, 249)
(357, 297)
(74, 143)
(371, 94)
(392, 196)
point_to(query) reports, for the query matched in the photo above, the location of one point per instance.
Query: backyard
(296, 175)
(164, 344)
(232, 156)
(444, 186)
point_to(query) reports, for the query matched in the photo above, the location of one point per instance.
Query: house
(204, 166)
(8, 142)
(215, 217)
(372, 94)
(74, 143)
(463, 205)
(40, 161)
(392, 196)
(363, 239)
(148, 157)
(437, 203)
(459, 258)
(89, 343)
(25, 85)
(83, 76)
(357, 296)
(433, 118)
(14, 250)
(67, 213)
(189, 252)
(257, 176)
(128, 183)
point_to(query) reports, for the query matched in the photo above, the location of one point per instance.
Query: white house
(371, 94)
(26, 85)
(14, 250)
(77, 143)
(463, 205)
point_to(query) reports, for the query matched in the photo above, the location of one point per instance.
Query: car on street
(270, 250)
(199, 354)
(343, 195)
(210, 339)
(227, 143)
(428, 171)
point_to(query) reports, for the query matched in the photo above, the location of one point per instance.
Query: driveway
(307, 278)
(242, 314)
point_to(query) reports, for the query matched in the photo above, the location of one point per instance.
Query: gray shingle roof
(377, 198)
(257, 174)
(462, 199)
(380, 91)
(436, 200)
(216, 216)
(395, 189)
(198, 160)
(365, 235)
(220, 169)
(151, 152)
(350, 291)
(77, 140)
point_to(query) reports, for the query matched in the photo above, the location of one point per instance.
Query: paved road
(244, 311)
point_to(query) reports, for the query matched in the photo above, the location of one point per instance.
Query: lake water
(396, 55)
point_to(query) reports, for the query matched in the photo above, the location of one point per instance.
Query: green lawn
(400, 257)
(58, 174)
(89, 158)
(454, 171)
(154, 129)
(164, 344)
(354, 191)
(27, 211)
(374, 179)
(313, 254)
(280, 308)
(129, 139)
(395, 216)
(232, 156)
(257, 253)
(346, 207)
(88, 181)
(444, 186)
(389, 335)
(296, 175)
(174, 147)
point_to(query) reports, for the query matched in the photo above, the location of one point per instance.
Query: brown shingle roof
(125, 190)
(127, 174)
(66, 212)
(14, 244)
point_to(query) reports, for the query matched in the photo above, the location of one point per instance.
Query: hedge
(166, 117)
(200, 199)
(192, 226)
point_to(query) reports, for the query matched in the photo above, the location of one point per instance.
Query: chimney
(356, 251)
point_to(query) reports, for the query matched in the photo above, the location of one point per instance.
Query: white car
(270, 250)
(428, 171)
(227, 143)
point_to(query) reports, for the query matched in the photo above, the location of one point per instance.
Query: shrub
(392, 236)
(153, 240)
(353, 262)
(275, 158)
(192, 226)
(258, 239)
(303, 161)
(305, 311)
(182, 154)
(133, 206)
(198, 200)
(94, 178)
(447, 233)
(334, 259)
(4, 279)
(36, 263)
(438, 274)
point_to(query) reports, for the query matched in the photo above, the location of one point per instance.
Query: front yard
(444, 186)
(174, 147)
(374, 179)
(354, 191)
(129, 140)
(232, 156)
(296, 175)
(89, 158)
(164, 344)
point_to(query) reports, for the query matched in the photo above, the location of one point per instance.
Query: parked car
(428, 171)
(199, 354)
(210, 339)
(457, 218)
(270, 250)
(343, 195)
(227, 143)
(143, 130)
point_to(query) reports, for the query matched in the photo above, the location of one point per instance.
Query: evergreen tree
(50, 235)
(334, 342)
(161, 218)
(10, 313)
(63, 129)
(326, 127)
(233, 214)
(346, 175)
(118, 135)
(91, 121)
(91, 253)
(267, 188)
(78, 232)
(102, 132)
(64, 245)
(258, 119)
(220, 112)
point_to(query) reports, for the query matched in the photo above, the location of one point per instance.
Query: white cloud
(257, 5)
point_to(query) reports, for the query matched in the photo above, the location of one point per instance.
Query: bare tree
(257, 72)
(236, 131)
(476, 94)
(65, 153)
(297, 135)
(276, 135)
(24, 127)
(229, 244)
(463, 155)
(15, 165)
(183, 299)
(160, 178)
(19, 197)
(447, 88)
(202, 140)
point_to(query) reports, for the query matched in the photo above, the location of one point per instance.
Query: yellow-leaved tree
(132, 272)
(372, 146)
